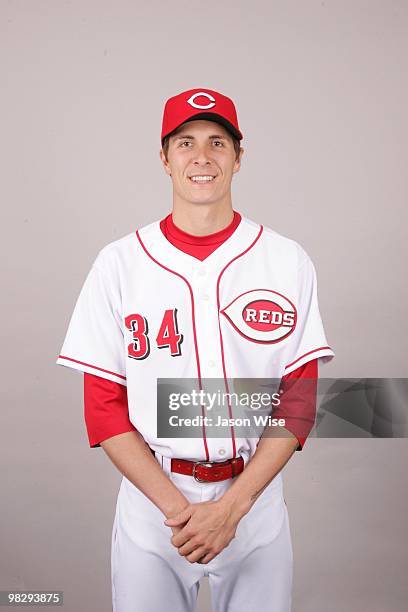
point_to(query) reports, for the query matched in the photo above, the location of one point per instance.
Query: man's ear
(165, 162)
(237, 164)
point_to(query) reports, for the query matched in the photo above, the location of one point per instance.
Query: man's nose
(202, 156)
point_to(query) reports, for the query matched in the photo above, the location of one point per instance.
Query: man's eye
(218, 142)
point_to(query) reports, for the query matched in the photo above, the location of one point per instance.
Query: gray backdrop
(321, 91)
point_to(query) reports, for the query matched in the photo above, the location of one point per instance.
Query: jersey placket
(204, 284)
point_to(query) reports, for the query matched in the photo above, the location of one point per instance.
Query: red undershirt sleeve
(299, 400)
(105, 409)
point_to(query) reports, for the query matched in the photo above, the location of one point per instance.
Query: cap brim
(210, 117)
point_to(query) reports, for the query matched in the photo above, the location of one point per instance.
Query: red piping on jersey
(92, 366)
(219, 327)
(322, 348)
(194, 328)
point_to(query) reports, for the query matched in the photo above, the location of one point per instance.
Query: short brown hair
(166, 143)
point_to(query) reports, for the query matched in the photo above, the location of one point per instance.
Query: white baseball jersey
(148, 310)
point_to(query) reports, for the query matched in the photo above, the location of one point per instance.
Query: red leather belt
(208, 471)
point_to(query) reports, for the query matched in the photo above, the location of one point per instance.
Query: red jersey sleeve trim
(323, 351)
(90, 368)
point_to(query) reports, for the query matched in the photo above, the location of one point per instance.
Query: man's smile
(202, 179)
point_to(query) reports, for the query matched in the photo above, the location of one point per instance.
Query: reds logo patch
(262, 315)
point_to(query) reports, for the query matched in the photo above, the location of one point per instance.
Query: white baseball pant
(148, 574)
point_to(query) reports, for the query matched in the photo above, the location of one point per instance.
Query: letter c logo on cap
(192, 102)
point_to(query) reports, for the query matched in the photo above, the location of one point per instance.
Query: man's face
(203, 149)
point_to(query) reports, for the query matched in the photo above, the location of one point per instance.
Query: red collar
(174, 233)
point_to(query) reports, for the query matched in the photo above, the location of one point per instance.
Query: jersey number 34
(168, 335)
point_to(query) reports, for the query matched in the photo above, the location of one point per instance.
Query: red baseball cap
(199, 104)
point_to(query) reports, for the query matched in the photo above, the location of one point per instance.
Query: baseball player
(203, 293)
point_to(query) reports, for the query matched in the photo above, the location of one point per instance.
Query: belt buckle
(206, 464)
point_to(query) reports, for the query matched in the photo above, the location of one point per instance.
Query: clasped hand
(201, 531)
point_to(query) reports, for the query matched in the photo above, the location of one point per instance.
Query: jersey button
(211, 363)
(201, 272)
(221, 451)
(206, 296)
